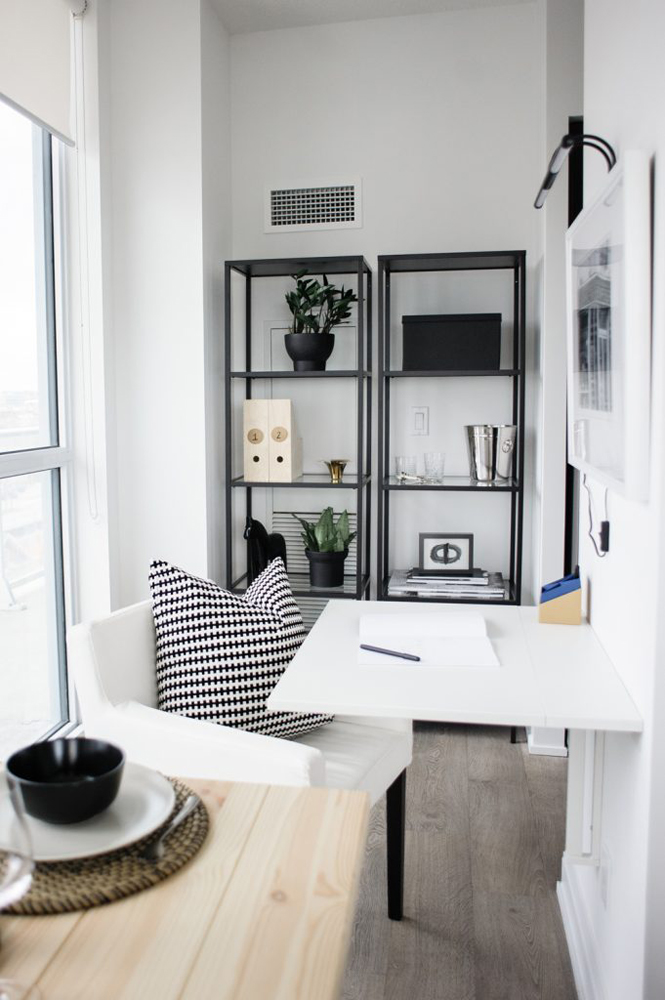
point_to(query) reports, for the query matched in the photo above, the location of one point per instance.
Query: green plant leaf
(308, 536)
(324, 531)
(344, 534)
(343, 525)
(317, 306)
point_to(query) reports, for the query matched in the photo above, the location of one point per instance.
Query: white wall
(216, 202)
(440, 115)
(623, 88)
(86, 315)
(166, 123)
(564, 35)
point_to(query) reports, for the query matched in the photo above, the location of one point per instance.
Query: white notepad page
(455, 639)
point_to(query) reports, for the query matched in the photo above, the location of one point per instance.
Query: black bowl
(67, 781)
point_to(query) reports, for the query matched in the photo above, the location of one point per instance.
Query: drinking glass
(434, 466)
(16, 868)
(406, 466)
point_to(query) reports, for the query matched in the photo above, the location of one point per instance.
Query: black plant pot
(326, 569)
(309, 351)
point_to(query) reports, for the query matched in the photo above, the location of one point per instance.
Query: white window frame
(55, 458)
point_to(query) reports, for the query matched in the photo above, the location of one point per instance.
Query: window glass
(32, 695)
(27, 397)
(33, 673)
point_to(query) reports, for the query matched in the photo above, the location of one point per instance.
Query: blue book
(558, 588)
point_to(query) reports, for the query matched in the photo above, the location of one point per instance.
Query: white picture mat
(440, 640)
(608, 307)
(433, 544)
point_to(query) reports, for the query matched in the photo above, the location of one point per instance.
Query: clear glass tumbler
(434, 466)
(16, 868)
(406, 466)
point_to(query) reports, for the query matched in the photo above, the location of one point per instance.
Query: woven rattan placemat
(63, 886)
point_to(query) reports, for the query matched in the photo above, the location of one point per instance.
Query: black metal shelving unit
(395, 264)
(355, 586)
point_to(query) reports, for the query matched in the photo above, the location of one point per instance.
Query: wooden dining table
(263, 912)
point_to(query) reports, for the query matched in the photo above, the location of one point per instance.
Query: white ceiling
(242, 16)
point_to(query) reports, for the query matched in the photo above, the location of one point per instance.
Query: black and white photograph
(593, 269)
(608, 278)
(445, 552)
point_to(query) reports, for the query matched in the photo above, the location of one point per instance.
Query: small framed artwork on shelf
(445, 552)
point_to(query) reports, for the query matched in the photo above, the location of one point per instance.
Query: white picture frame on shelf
(608, 284)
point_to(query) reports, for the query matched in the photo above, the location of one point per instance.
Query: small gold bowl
(336, 467)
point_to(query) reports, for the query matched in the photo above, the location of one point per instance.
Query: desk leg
(395, 824)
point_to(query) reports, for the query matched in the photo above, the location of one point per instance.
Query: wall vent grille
(286, 524)
(296, 207)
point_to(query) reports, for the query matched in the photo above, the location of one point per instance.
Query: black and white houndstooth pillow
(219, 655)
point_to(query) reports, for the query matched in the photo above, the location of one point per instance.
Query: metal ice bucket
(482, 439)
(505, 450)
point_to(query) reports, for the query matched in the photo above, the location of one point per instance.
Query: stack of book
(477, 585)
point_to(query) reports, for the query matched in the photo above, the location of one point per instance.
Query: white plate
(144, 802)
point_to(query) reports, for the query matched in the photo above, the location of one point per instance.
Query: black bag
(262, 548)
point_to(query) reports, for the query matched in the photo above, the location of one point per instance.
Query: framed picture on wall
(445, 552)
(608, 283)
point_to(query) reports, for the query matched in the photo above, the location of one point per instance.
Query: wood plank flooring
(485, 835)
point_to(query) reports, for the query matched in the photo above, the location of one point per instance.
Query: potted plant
(317, 307)
(326, 547)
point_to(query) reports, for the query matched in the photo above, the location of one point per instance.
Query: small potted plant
(326, 547)
(317, 307)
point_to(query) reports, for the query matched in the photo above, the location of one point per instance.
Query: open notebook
(446, 639)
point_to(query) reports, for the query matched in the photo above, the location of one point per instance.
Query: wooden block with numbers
(256, 448)
(285, 448)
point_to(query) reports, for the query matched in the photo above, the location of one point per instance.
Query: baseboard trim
(580, 936)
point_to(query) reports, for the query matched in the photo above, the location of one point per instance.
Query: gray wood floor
(485, 834)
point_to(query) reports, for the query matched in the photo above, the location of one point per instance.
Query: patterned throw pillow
(219, 655)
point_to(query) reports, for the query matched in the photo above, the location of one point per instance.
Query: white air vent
(286, 524)
(295, 207)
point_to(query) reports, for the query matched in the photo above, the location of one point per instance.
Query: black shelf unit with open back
(390, 266)
(239, 372)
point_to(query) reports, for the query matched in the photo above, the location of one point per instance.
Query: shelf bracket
(586, 749)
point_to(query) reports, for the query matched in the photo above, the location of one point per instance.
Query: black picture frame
(442, 539)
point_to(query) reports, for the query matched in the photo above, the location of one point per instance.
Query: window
(33, 688)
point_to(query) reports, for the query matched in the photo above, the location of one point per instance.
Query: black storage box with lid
(452, 342)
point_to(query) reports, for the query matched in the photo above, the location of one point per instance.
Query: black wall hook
(567, 143)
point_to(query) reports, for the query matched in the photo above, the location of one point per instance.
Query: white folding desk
(549, 675)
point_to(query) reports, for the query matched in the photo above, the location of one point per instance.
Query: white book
(471, 581)
(440, 639)
(471, 595)
(452, 591)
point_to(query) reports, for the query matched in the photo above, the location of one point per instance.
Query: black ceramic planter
(309, 351)
(326, 569)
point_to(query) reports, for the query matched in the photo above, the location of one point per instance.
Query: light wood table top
(263, 911)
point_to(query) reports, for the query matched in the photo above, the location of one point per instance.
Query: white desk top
(550, 675)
